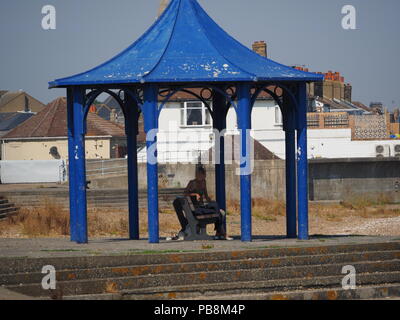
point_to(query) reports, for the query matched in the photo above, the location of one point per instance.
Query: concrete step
(8, 210)
(281, 279)
(242, 264)
(21, 265)
(31, 265)
(214, 274)
(374, 292)
(8, 214)
(273, 288)
(311, 272)
(6, 205)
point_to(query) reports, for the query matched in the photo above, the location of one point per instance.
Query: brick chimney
(261, 48)
(113, 116)
(163, 6)
(27, 106)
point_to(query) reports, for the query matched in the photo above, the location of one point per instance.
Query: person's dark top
(199, 187)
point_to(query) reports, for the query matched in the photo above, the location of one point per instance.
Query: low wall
(268, 179)
(342, 179)
(329, 179)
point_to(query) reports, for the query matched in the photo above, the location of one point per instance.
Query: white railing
(106, 167)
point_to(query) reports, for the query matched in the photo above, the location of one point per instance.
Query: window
(195, 114)
(278, 116)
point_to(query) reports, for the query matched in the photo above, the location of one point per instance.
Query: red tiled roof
(52, 122)
(184, 96)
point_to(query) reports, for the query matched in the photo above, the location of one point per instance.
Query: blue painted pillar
(79, 165)
(289, 126)
(131, 130)
(302, 162)
(244, 124)
(71, 165)
(150, 109)
(219, 109)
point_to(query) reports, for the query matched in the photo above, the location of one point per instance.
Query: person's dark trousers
(219, 225)
(179, 212)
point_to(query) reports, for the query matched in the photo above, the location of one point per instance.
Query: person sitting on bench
(196, 190)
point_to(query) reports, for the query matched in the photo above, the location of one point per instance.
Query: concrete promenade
(50, 248)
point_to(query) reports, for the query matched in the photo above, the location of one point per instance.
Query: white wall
(47, 171)
(38, 149)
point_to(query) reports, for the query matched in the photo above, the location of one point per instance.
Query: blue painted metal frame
(302, 162)
(133, 95)
(71, 165)
(78, 157)
(288, 106)
(91, 97)
(289, 126)
(244, 125)
(219, 111)
(150, 110)
(131, 129)
(161, 58)
(175, 91)
(216, 89)
(294, 114)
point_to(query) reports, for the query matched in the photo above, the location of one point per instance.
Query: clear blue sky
(302, 32)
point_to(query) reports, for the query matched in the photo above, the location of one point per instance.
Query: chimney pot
(260, 47)
(163, 6)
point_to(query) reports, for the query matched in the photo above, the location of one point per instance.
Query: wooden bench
(197, 219)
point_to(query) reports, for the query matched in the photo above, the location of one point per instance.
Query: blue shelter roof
(186, 45)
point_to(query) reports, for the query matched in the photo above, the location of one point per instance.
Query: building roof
(362, 106)
(52, 122)
(7, 97)
(186, 45)
(185, 96)
(10, 120)
(232, 150)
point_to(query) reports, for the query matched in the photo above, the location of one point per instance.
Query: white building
(186, 131)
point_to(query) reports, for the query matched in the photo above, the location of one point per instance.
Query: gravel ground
(323, 220)
(346, 226)
(382, 226)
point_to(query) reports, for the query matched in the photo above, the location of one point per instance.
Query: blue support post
(302, 162)
(219, 109)
(290, 142)
(78, 157)
(150, 109)
(131, 130)
(71, 166)
(244, 124)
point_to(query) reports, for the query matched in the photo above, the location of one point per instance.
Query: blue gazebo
(185, 50)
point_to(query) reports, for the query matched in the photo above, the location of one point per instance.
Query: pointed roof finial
(163, 6)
